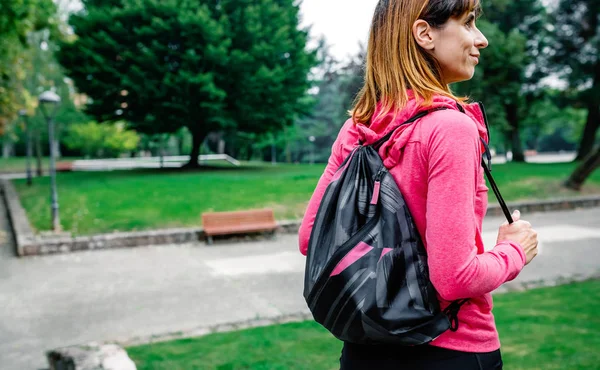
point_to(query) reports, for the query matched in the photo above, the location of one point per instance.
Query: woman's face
(456, 47)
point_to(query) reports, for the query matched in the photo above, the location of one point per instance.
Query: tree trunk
(513, 121)
(161, 152)
(197, 140)
(180, 139)
(38, 153)
(249, 152)
(7, 148)
(221, 146)
(584, 171)
(589, 134)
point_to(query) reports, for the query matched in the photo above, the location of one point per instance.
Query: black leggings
(359, 357)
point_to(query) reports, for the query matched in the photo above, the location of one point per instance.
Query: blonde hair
(395, 62)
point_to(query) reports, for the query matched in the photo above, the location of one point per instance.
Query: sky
(344, 23)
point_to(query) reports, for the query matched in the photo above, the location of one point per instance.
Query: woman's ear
(423, 33)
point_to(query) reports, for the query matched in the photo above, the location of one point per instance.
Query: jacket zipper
(377, 188)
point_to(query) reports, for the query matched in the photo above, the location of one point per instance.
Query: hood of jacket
(381, 125)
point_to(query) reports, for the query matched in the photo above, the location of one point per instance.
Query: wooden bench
(64, 166)
(228, 223)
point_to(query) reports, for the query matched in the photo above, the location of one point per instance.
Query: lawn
(546, 329)
(93, 202)
(96, 202)
(529, 181)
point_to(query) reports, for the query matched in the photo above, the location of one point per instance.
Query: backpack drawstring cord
(452, 312)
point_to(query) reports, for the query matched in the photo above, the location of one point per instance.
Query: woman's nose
(481, 42)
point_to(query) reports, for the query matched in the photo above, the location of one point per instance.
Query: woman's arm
(456, 270)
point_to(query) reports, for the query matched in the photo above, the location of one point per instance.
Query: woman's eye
(470, 22)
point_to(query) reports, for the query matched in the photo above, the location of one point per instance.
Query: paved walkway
(52, 301)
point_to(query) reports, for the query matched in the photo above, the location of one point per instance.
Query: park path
(53, 301)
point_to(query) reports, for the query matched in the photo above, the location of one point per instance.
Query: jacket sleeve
(333, 164)
(456, 270)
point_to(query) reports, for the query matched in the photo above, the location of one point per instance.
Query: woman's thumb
(516, 215)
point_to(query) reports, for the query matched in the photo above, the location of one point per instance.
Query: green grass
(97, 202)
(546, 329)
(529, 181)
(93, 202)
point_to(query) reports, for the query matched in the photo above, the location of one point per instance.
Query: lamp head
(49, 97)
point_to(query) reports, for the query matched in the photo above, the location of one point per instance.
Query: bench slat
(226, 223)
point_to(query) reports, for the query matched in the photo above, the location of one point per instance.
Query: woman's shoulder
(449, 123)
(348, 134)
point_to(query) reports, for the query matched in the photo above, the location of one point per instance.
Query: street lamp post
(273, 151)
(49, 102)
(312, 149)
(23, 114)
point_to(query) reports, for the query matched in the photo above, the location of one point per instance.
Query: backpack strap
(376, 145)
(487, 154)
(452, 310)
(488, 174)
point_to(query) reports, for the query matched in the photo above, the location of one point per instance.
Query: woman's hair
(395, 62)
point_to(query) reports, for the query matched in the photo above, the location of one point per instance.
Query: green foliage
(548, 127)
(551, 328)
(527, 16)
(499, 79)
(45, 73)
(17, 19)
(576, 26)
(575, 53)
(336, 87)
(101, 140)
(210, 66)
(508, 78)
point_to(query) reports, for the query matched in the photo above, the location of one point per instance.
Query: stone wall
(22, 230)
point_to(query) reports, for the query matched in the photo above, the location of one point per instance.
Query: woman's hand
(520, 232)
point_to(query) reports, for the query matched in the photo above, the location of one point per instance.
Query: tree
(44, 73)
(584, 170)
(95, 140)
(498, 82)
(575, 54)
(229, 65)
(512, 65)
(552, 125)
(17, 19)
(336, 85)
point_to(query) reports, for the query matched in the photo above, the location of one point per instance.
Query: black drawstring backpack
(366, 277)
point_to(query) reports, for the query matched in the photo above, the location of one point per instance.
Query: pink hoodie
(436, 162)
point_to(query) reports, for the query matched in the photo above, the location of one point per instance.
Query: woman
(416, 49)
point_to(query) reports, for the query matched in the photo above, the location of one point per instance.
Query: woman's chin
(460, 79)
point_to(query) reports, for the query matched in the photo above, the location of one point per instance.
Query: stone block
(90, 357)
